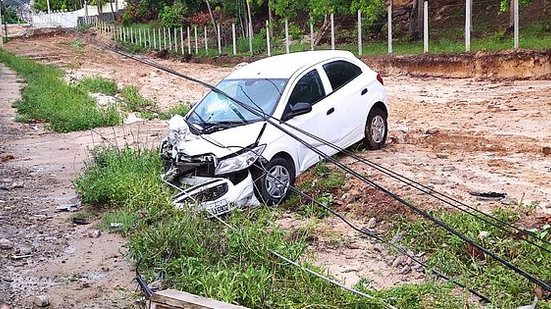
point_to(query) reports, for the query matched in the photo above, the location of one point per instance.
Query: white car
(219, 152)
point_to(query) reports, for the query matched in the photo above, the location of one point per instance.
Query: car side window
(341, 72)
(309, 89)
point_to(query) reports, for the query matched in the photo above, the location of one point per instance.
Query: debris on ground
(6, 244)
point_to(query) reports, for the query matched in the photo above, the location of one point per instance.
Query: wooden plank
(174, 299)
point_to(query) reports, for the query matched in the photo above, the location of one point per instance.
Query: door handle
(330, 111)
(364, 91)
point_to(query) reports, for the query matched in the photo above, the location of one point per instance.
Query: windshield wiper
(221, 125)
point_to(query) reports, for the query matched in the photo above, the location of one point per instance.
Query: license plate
(218, 208)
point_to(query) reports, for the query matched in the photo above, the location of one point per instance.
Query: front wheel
(272, 180)
(376, 129)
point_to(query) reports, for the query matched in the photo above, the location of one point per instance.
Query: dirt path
(73, 265)
(455, 135)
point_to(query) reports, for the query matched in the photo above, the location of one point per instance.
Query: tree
(505, 5)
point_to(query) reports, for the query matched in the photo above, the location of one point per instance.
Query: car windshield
(215, 109)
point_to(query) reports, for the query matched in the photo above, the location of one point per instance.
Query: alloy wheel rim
(377, 129)
(277, 181)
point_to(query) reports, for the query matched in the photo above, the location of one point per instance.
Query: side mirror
(298, 109)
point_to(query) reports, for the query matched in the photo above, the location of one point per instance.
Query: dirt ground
(455, 135)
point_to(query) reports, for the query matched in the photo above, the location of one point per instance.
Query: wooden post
(426, 27)
(468, 21)
(219, 39)
(332, 31)
(268, 38)
(389, 23)
(311, 35)
(515, 25)
(206, 42)
(359, 32)
(286, 36)
(188, 41)
(233, 38)
(182, 39)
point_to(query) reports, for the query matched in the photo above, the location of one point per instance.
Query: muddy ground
(455, 135)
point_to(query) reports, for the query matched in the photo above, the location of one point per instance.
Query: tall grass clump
(451, 255)
(46, 97)
(98, 84)
(135, 102)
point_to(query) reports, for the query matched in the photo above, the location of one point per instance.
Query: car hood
(221, 143)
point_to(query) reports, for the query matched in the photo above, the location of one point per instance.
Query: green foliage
(173, 16)
(9, 15)
(98, 84)
(372, 10)
(448, 253)
(121, 220)
(134, 101)
(46, 97)
(504, 4)
(181, 109)
(122, 177)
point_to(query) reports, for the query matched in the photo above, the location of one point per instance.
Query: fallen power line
(276, 123)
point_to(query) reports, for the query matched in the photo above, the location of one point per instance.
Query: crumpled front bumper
(216, 195)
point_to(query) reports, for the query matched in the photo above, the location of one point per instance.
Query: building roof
(284, 66)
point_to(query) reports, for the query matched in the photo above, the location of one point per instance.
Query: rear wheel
(272, 180)
(376, 129)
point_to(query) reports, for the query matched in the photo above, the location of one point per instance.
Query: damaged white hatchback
(224, 155)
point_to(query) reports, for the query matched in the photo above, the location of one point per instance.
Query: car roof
(284, 66)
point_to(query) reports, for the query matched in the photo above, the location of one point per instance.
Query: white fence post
(1, 30)
(250, 37)
(219, 39)
(165, 39)
(332, 31)
(131, 36)
(359, 32)
(233, 39)
(169, 39)
(311, 35)
(286, 36)
(389, 24)
(140, 36)
(268, 38)
(175, 39)
(206, 42)
(426, 27)
(182, 39)
(149, 38)
(196, 40)
(160, 40)
(188, 41)
(515, 23)
(468, 21)
(154, 40)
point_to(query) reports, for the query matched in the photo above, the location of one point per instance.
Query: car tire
(272, 180)
(376, 129)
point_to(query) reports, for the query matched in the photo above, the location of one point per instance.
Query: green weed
(135, 102)
(98, 84)
(46, 97)
(181, 109)
(448, 253)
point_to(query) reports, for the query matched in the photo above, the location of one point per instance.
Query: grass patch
(320, 182)
(181, 109)
(98, 84)
(204, 257)
(46, 97)
(448, 253)
(135, 102)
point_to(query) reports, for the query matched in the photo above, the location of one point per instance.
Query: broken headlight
(240, 161)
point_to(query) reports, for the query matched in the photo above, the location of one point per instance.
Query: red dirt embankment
(510, 65)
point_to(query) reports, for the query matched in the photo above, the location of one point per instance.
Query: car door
(348, 96)
(321, 121)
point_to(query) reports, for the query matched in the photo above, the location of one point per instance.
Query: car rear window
(341, 72)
